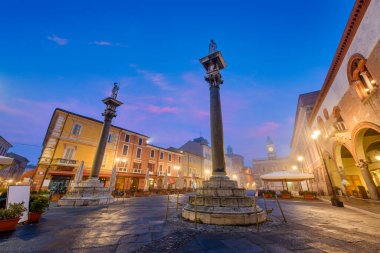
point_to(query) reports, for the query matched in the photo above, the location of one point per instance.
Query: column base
(221, 202)
(88, 193)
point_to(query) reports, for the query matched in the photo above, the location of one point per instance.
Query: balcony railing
(65, 162)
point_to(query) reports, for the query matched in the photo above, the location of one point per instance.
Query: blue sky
(67, 54)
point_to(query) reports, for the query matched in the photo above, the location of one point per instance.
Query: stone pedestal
(88, 193)
(221, 202)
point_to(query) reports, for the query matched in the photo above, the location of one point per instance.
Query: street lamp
(300, 158)
(294, 167)
(207, 172)
(334, 200)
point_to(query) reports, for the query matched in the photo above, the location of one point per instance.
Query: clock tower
(271, 149)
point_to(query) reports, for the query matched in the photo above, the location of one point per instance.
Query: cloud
(158, 79)
(159, 110)
(58, 40)
(102, 43)
(265, 129)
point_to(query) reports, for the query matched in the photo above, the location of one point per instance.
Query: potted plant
(9, 217)
(285, 195)
(308, 195)
(336, 202)
(37, 205)
(269, 194)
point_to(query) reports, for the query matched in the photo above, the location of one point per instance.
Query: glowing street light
(377, 157)
(334, 199)
(234, 176)
(294, 167)
(300, 158)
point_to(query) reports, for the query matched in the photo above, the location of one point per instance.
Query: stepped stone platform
(221, 202)
(88, 193)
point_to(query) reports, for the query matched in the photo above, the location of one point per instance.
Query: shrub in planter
(37, 205)
(309, 195)
(285, 195)
(269, 193)
(9, 217)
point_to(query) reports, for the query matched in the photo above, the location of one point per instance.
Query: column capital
(214, 78)
(362, 164)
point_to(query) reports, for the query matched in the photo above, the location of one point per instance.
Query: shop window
(360, 77)
(136, 167)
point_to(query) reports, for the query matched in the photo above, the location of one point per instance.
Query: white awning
(5, 161)
(290, 176)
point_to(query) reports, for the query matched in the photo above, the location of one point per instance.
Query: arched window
(359, 76)
(339, 122)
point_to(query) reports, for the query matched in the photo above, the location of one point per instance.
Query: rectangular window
(110, 137)
(151, 167)
(76, 129)
(160, 168)
(137, 168)
(162, 155)
(140, 141)
(152, 153)
(69, 153)
(125, 150)
(179, 159)
(170, 157)
(138, 154)
(127, 136)
(169, 168)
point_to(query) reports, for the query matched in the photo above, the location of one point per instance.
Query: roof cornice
(352, 26)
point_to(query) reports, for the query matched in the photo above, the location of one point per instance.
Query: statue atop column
(212, 48)
(115, 90)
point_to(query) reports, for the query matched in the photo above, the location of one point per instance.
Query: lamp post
(334, 200)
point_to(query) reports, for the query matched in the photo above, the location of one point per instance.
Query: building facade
(72, 138)
(4, 146)
(304, 152)
(271, 164)
(345, 121)
(16, 169)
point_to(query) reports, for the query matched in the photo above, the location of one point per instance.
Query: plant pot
(286, 196)
(8, 225)
(337, 203)
(309, 197)
(56, 197)
(268, 195)
(34, 217)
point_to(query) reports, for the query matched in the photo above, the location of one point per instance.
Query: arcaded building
(345, 121)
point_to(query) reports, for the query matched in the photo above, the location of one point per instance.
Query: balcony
(65, 162)
(160, 173)
(137, 171)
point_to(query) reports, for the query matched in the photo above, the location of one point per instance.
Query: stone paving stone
(242, 245)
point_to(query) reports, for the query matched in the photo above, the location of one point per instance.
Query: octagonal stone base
(221, 202)
(88, 193)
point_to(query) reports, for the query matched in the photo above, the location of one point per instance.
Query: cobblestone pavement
(138, 225)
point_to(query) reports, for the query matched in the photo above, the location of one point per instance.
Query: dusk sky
(67, 54)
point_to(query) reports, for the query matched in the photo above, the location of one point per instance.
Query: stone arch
(358, 135)
(366, 141)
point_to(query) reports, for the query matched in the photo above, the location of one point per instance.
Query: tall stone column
(213, 63)
(363, 167)
(109, 113)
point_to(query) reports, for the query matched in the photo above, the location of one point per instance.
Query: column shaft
(98, 160)
(217, 141)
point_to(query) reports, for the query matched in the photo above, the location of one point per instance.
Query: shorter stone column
(363, 167)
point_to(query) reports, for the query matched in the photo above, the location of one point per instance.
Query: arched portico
(366, 140)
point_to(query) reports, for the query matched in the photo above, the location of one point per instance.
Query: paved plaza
(138, 225)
